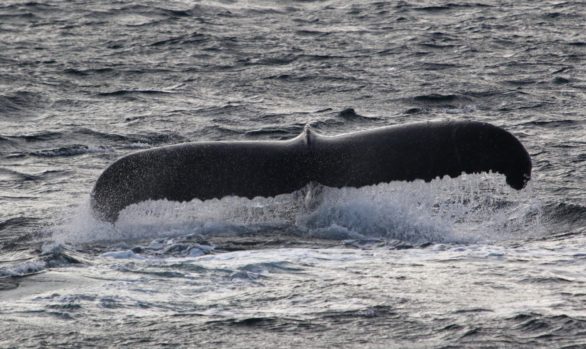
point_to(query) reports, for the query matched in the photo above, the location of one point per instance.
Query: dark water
(461, 262)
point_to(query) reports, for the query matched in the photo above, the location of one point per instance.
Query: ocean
(461, 262)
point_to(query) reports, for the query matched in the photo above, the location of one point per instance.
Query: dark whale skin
(206, 170)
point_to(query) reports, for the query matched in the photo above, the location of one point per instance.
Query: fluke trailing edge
(209, 170)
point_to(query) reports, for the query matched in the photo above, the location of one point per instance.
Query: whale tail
(421, 151)
(209, 170)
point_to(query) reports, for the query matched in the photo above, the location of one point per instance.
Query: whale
(215, 169)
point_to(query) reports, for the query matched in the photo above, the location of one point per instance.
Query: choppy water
(463, 262)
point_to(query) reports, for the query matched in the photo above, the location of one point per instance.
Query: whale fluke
(206, 170)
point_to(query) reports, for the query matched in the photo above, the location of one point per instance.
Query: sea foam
(471, 208)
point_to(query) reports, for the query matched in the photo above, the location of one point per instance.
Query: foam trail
(471, 208)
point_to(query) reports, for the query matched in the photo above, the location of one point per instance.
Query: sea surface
(456, 263)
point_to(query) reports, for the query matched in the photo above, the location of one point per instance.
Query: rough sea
(455, 263)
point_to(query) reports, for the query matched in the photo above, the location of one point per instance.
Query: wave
(90, 71)
(152, 138)
(566, 213)
(446, 7)
(16, 222)
(351, 114)
(64, 144)
(52, 255)
(193, 38)
(21, 103)
(8, 174)
(22, 269)
(124, 93)
(99, 136)
(72, 150)
(553, 123)
(435, 98)
(42, 136)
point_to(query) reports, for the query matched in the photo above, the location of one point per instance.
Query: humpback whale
(206, 170)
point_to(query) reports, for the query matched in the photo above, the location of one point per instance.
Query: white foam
(470, 208)
(24, 268)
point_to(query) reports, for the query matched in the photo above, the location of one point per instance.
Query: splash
(468, 209)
